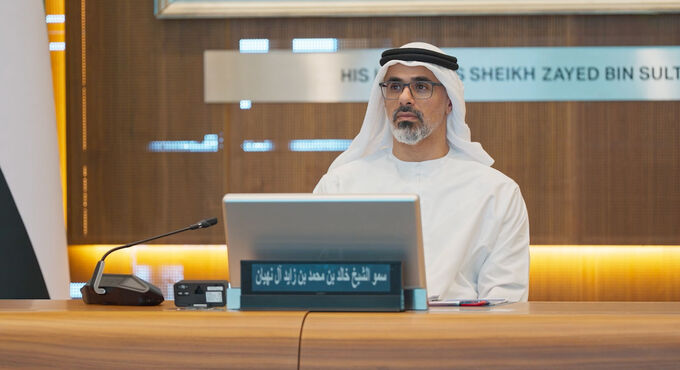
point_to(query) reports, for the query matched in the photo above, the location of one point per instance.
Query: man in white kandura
(414, 139)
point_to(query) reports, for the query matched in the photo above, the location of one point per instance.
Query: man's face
(415, 119)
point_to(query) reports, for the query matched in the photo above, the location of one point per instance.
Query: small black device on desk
(201, 293)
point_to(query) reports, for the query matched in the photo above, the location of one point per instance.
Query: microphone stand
(124, 291)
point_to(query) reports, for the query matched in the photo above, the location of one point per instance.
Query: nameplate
(490, 74)
(325, 286)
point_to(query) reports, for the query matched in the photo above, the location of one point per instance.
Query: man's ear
(449, 107)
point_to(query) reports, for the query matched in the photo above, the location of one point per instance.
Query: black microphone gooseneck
(95, 281)
(199, 225)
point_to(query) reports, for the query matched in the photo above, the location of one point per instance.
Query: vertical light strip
(83, 73)
(83, 92)
(84, 204)
(83, 95)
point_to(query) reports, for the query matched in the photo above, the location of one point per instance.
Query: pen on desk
(474, 303)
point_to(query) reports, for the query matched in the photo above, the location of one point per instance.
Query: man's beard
(407, 131)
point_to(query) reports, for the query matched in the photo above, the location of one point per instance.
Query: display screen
(306, 277)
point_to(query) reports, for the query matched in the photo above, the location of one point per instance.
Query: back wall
(590, 172)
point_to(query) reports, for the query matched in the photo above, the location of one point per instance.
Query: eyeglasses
(391, 90)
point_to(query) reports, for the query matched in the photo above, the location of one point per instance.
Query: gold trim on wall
(245, 9)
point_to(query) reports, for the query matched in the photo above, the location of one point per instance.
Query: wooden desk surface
(70, 334)
(522, 335)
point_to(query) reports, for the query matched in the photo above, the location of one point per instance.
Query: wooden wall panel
(591, 172)
(629, 156)
(144, 82)
(283, 170)
(531, 143)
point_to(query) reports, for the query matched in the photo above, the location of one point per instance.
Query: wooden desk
(70, 334)
(542, 335)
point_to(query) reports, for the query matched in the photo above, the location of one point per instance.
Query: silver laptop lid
(337, 227)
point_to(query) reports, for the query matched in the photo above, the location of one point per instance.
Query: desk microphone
(127, 289)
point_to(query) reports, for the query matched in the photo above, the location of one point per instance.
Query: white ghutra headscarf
(375, 132)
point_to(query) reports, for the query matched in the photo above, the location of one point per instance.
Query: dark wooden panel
(629, 157)
(531, 143)
(598, 172)
(283, 170)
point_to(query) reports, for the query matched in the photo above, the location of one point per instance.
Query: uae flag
(33, 254)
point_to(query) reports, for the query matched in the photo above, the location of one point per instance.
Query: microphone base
(124, 290)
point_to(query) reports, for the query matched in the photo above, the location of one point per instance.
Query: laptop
(325, 228)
